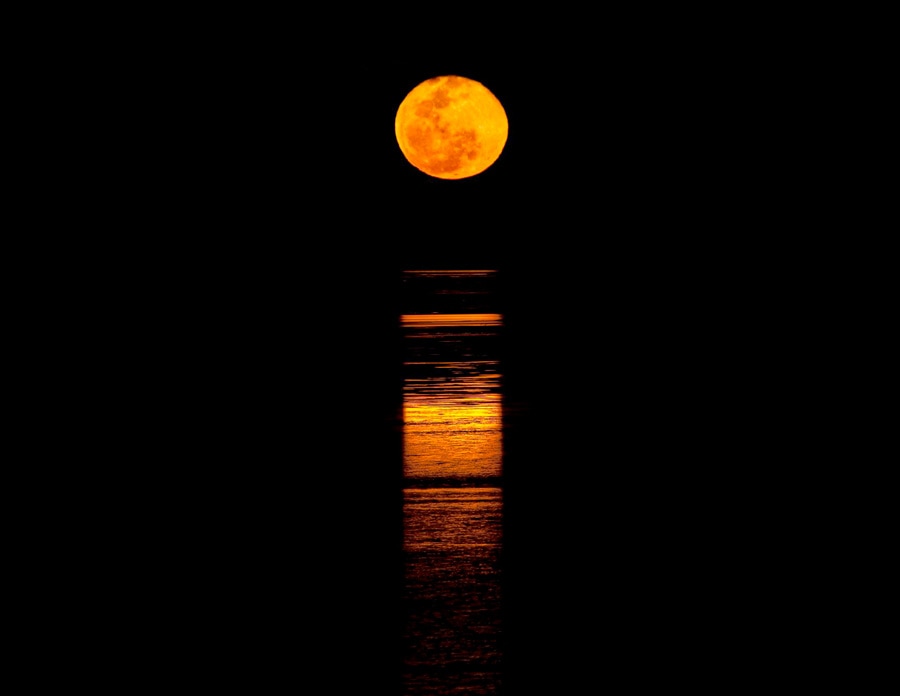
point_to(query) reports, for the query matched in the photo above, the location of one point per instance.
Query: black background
(262, 212)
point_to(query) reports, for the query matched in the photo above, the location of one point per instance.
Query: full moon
(451, 127)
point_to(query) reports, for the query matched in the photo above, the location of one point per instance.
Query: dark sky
(617, 135)
(609, 143)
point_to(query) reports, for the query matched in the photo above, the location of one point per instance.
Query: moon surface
(451, 127)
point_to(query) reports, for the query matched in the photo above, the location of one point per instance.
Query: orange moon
(451, 127)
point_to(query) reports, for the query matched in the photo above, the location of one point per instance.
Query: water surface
(452, 497)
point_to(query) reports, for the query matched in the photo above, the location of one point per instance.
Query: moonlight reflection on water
(452, 464)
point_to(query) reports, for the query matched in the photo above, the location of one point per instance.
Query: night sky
(633, 139)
